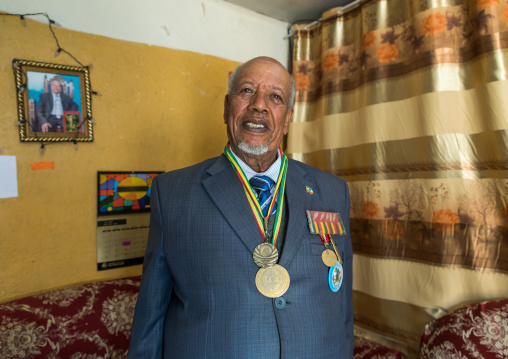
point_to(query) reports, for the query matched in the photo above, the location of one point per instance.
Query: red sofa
(85, 321)
(91, 321)
(477, 330)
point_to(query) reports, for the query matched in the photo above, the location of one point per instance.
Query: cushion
(86, 321)
(474, 331)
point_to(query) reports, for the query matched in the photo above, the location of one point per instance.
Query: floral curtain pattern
(407, 101)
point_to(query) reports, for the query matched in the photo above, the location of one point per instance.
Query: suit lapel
(298, 202)
(51, 102)
(226, 191)
(65, 102)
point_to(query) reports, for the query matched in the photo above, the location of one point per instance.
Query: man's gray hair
(231, 81)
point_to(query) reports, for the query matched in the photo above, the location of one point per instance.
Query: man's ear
(287, 121)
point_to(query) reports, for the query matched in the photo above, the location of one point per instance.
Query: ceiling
(291, 10)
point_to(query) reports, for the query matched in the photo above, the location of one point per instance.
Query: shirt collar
(272, 172)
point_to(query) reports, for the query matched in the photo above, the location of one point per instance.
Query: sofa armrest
(472, 331)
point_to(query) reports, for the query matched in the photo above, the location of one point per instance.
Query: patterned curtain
(408, 102)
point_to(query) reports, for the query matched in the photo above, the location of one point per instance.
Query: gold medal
(272, 281)
(266, 255)
(329, 258)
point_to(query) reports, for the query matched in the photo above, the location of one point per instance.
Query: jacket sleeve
(347, 304)
(156, 288)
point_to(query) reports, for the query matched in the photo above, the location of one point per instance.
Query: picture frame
(54, 102)
(123, 192)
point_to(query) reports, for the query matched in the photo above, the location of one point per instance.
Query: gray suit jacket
(45, 106)
(198, 297)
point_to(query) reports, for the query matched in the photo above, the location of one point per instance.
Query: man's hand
(45, 127)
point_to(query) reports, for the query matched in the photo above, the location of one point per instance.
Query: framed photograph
(54, 102)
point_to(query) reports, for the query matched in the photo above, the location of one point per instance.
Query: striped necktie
(262, 186)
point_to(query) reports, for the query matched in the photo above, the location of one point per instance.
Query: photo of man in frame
(52, 98)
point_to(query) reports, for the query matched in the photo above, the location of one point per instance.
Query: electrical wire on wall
(51, 23)
(23, 86)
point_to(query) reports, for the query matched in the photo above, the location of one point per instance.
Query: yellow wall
(161, 109)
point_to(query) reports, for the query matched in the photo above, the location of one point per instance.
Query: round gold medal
(266, 255)
(273, 281)
(329, 258)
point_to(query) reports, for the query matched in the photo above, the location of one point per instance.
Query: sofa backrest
(76, 322)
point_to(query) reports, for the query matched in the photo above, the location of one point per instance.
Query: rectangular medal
(325, 223)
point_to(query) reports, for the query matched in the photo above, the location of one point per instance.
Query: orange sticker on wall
(42, 166)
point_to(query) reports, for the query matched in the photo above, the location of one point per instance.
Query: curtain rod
(343, 9)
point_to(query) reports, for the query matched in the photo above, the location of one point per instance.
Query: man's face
(256, 112)
(56, 88)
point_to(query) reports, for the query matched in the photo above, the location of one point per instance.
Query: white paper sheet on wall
(8, 177)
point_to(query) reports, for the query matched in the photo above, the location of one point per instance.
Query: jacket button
(280, 302)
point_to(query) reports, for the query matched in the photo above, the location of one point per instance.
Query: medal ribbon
(262, 221)
(324, 239)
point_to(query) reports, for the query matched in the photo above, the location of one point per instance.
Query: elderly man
(239, 261)
(51, 107)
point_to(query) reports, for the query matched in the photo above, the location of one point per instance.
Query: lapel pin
(309, 190)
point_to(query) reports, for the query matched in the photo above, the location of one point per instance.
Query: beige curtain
(408, 102)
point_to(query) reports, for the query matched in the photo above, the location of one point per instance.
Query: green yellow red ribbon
(262, 221)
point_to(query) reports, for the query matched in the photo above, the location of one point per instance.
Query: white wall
(212, 27)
